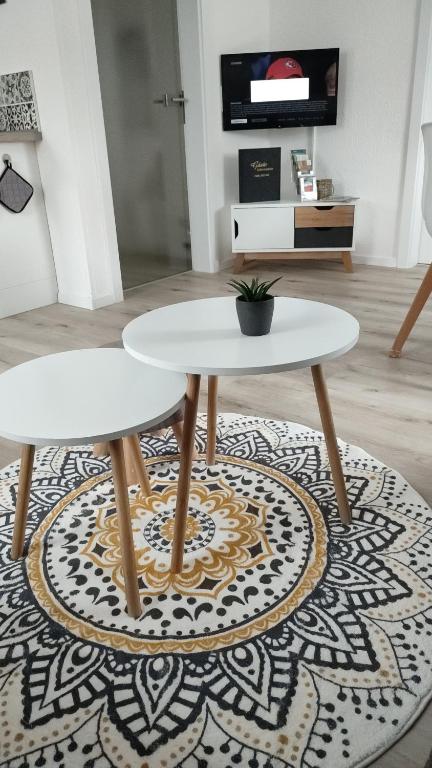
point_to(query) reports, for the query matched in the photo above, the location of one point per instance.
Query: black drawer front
(323, 237)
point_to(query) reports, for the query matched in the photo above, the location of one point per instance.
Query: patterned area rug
(288, 641)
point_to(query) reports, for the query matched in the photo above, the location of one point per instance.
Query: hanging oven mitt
(15, 192)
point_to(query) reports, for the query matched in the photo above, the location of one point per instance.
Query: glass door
(142, 98)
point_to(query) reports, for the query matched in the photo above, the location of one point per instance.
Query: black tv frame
(277, 121)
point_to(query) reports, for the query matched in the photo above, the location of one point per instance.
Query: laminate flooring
(383, 405)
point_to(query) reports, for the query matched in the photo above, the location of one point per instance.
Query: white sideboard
(292, 229)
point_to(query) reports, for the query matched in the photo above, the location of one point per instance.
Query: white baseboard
(371, 260)
(22, 298)
(87, 301)
(374, 261)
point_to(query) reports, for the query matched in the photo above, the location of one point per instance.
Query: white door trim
(190, 29)
(421, 110)
(100, 283)
(189, 13)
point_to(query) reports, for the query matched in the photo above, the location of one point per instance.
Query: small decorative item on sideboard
(254, 306)
(325, 188)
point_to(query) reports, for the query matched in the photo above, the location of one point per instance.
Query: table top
(204, 337)
(85, 396)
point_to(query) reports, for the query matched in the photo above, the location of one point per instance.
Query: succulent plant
(255, 291)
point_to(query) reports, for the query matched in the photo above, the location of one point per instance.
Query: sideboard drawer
(328, 216)
(323, 237)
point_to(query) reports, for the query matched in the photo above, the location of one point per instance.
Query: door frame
(190, 32)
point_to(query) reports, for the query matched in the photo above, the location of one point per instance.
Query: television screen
(279, 90)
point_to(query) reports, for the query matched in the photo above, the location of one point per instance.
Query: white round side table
(203, 337)
(87, 396)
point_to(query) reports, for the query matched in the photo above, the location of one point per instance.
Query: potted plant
(254, 305)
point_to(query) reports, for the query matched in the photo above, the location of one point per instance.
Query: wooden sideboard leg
(24, 485)
(239, 262)
(331, 442)
(416, 307)
(347, 261)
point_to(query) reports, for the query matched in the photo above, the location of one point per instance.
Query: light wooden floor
(383, 405)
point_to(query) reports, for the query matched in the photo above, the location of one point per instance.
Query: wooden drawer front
(323, 237)
(334, 216)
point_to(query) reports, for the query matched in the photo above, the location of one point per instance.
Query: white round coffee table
(87, 396)
(203, 338)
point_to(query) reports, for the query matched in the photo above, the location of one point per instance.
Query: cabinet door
(263, 229)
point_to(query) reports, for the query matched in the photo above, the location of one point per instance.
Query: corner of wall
(100, 281)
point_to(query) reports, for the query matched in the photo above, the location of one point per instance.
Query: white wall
(87, 159)
(27, 274)
(191, 49)
(243, 25)
(415, 244)
(53, 38)
(425, 245)
(364, 153)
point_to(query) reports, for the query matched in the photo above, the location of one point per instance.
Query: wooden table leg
(138, 463)
(24, 485)
(416, 307)
(100, 450)
(182, 504)
(347, 261)
(177, 428)
(131, 476)
(331, 442)
(125, 528)
(211, 419)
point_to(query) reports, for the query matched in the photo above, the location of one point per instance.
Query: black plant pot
(255, 317)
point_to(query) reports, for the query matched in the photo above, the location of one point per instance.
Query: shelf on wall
(13, 136)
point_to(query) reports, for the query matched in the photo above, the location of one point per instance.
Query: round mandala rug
(289, 641)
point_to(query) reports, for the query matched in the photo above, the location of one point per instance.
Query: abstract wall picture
(18, 108)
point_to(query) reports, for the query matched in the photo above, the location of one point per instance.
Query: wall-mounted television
(281, 89)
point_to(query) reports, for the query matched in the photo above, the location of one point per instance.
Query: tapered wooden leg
(211, 419)
(125, 528)
(331, 442)
(100, 450)
(190, 415)
(24, 485)
(239, 262)
(177, 428)
(131, 476)
(138, 463)
(416, 307)
(347, 261)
